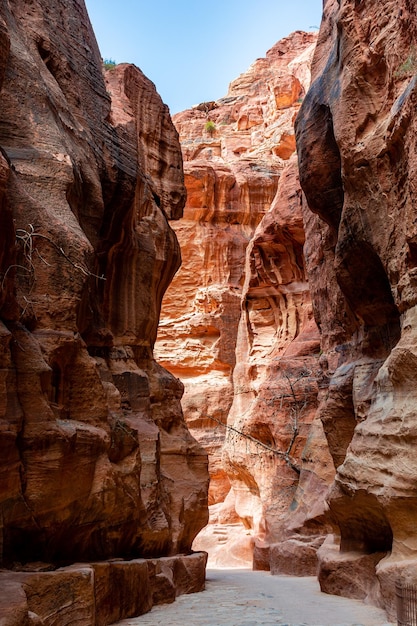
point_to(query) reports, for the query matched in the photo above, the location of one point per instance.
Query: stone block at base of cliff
(176, 576)
(13, 603)
(295, 557)
(97, 594)
(190, 573)
(161, 577)
(389, 572)
(261, 558)
(121, 590)
(60, 598)
(349, 574)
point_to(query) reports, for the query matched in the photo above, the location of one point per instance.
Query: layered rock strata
(96, 460)
(356, 139)
(275, 452)
(235, 150)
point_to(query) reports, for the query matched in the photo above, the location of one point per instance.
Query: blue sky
(191, 49)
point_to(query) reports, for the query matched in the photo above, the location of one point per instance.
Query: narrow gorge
(207, 323)
(240, 300)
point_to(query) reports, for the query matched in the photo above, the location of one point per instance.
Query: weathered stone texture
(279, 466)
(96, 460)
(356, 140)
(96, 594)
(235, 150)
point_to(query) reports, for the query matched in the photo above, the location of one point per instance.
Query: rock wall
(275, 451)
(234, 150)
(96, 461)
(356, 139)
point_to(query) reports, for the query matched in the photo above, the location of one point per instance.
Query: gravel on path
(247, 598)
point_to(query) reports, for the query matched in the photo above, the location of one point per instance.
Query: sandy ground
(246, 598)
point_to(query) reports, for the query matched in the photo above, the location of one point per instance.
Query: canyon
(243, 340)
(310, 424)
(227, 297)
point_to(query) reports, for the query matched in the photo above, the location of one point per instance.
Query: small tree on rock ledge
(210, 127)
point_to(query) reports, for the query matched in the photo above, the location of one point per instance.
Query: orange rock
(286, 146)
(231, 176)
(271, 452)
(287, 92)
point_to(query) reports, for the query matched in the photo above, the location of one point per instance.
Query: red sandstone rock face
(356, 138)
(233, 166)
(275, 451)
(96, 460)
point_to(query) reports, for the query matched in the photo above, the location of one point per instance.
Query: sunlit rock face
(356, 139)
(235, 152)
(275, 452)
(96, 460)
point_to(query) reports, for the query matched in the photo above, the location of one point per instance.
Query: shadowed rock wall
(96, 460)
(356, 140)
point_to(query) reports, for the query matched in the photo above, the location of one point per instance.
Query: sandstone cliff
(237, 151)
(356, 139)
(280, 468)
(96, 460)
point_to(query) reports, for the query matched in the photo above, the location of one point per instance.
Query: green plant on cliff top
(109, 64)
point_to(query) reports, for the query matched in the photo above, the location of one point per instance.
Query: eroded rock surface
(275, 452)
(235, 150)
(97, 593)
(96, 460)
(356, 139)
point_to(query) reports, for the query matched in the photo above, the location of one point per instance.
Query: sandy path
(246, 598)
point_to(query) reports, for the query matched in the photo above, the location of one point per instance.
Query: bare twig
(282, 455)
(298, 407)
(26, 236)
(22, 267)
